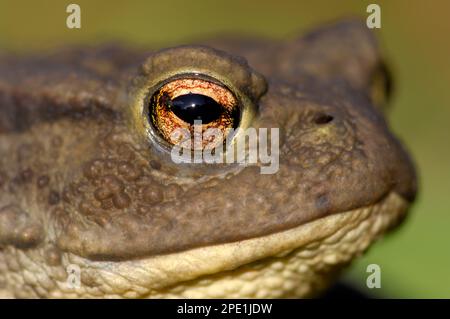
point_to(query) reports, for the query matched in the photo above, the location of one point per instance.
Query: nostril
(323, 118)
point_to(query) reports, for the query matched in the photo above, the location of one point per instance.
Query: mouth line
(160, 272)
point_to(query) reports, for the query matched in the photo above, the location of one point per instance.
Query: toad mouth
(306, 256)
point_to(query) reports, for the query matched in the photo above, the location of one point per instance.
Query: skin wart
(83, 184)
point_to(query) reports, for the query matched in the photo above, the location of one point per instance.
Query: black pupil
(196, 107)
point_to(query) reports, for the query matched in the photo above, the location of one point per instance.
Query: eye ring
(180, 101)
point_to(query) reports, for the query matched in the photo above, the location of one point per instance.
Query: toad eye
(193, 104)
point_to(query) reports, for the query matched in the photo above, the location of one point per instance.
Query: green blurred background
(415, 261)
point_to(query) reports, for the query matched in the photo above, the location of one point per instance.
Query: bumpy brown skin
(76, 176)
